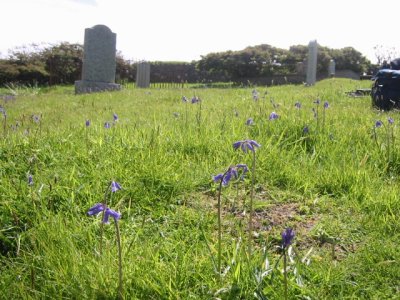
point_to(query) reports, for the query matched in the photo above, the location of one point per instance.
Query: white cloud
(86, 2)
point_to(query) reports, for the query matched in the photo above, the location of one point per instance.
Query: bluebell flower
(218, 177)
(306, 129)
(36, 118)
(242, 167)
(232, 172)
(246, 145)
(297, 105)
(107, 125)
(390, 120)
(115, 116)
(195, 100)
(30, 179)
(115, 186)
(273, 116)
(87, 123)
(378, 124)
(96, 209)
(100, 207)
(326, 105)
(249, 121)
(109, 212)
(255, 95)
(287, 237)
(317, 101)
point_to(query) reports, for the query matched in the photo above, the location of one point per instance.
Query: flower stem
(375, 138)
(102, 218)
(285, 282)
(219, 228)
(253, 170)
(5, 125)
(120, 292)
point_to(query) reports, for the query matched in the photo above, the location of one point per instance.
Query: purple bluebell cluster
(297, 105)
(378, 124)
(195, 100)
(232, 172)
(326, 104)
(107, 125)
(250, 121)
(255, 95)
(287, 237)
(87, 123)
(390, 120)
(246, 145)
(273, 116)
(30, 179)
(108, 212)
(115, 117)
(115, 186)
(95, 209)
(36, 118)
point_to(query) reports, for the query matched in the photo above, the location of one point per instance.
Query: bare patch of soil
(279, 216)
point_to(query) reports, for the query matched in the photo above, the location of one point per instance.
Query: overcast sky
(183, 30)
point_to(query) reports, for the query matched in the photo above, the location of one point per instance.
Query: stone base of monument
(85, 87)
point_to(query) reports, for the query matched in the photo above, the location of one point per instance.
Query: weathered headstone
(300, 69)
(99, 63)
(143, 75)
(331, 68)
(311, 76)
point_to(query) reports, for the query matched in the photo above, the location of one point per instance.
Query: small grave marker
(143, 75)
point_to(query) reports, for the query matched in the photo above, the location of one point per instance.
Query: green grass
(336, 186)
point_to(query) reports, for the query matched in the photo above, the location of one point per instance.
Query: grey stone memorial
(331, 68)
(99, 63)
(300, 69)
(311, 76)
(143, 75)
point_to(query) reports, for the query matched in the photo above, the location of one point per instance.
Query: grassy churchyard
(180, 199)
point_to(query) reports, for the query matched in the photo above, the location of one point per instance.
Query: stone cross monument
(311, 77)
(99, 63)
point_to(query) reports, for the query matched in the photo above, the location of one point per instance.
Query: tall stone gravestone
(311, 76)
(98, 70)
(331, 68)
(143, 75)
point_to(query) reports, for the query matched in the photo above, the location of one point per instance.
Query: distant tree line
(62, 64)
(265, 60)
